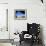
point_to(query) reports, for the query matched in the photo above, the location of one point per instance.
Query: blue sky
(19, 14)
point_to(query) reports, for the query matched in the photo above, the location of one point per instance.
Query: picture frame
(20, 14)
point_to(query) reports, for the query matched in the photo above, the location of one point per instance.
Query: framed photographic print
(21, 14)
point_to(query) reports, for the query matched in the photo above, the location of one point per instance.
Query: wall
(3, 1)
(35, 13)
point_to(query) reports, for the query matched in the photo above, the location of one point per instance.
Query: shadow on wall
(41, 35)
